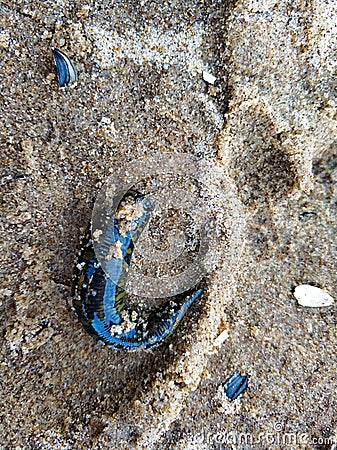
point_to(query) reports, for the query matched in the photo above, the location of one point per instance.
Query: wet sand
(269, 122)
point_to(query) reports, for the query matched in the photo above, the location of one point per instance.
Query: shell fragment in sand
(208, 77)
(221, 338)
(312, 296)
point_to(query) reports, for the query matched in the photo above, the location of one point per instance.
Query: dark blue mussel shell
(65, 68)
(235, 385)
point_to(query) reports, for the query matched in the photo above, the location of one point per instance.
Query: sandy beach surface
(267, 122)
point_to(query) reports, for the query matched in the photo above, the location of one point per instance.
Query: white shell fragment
(208, 77)
(65, 68)
(312, 296)
(221, 338)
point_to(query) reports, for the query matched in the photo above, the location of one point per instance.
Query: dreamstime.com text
(277, 437)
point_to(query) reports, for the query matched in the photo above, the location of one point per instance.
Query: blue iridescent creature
(99, 302)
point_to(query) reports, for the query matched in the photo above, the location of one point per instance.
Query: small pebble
(312, 296)
(209, 78)
(221, 338)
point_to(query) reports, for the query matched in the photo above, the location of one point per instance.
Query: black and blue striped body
(99, 302)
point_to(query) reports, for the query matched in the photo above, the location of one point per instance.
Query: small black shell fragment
(235, 385)
(65, 68)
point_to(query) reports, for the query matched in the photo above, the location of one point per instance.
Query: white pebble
(221, 338)
(209, 78)
(312, 296)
